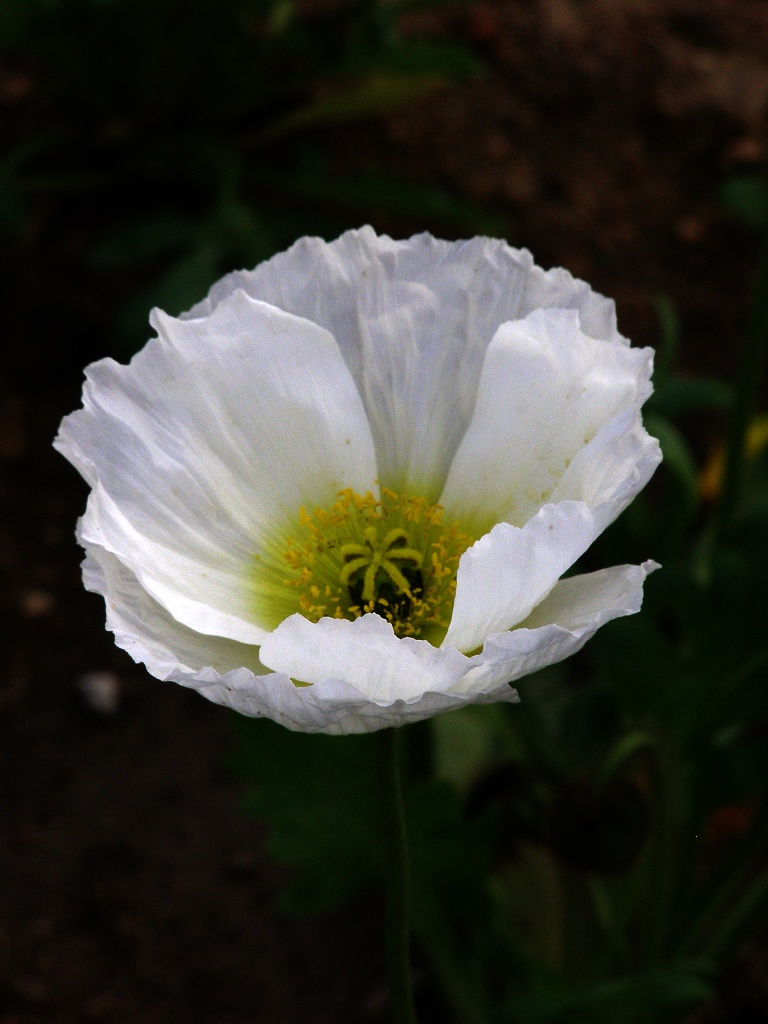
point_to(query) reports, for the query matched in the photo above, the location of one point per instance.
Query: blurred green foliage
(194, 134)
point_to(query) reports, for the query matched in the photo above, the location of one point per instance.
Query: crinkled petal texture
(413, 320)
(457, 372)
(361, 676)
(557, 449)
(214, 435)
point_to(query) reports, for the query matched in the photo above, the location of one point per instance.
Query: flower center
(379, 557)
(394, 555)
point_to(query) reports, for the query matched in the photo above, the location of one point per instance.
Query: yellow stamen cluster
(392, 555)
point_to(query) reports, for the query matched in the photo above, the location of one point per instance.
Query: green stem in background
(398, 879)
(466, 996)
(733, 897)
(737, 919)
(745, 400)
(664, 853)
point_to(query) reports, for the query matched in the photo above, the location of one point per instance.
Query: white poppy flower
(342, 490)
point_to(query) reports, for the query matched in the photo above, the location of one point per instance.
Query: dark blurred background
(146, 148)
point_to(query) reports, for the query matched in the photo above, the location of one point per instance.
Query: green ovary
(395, 556)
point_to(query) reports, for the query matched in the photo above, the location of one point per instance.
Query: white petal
(510, 570)
(338, 708)
(413, 320)
(364, 653)
(613, 468)
(584, 603)
(216, 432)
(230, 673)
(556, 425)
(144, 629)
(558, 627)
(546, 390)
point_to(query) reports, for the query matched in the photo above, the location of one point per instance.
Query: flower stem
(398, 879)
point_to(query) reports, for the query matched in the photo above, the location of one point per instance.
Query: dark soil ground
(133, 891)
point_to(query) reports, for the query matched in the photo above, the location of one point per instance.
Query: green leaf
(31, 147)
(144, 241)
(466, 743)
(625, 751)
(628, 999)
(238, 232)
(374, 191)
(669, 338)
(680, 395)
(678, 459)
(452, 912)
(319, 798)
(317, 795)
(17, 18)
(11, 210)
(451, 853)
(681, 498)
(179, 288)
(417, 56)
(377, 94)
(746, 197)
